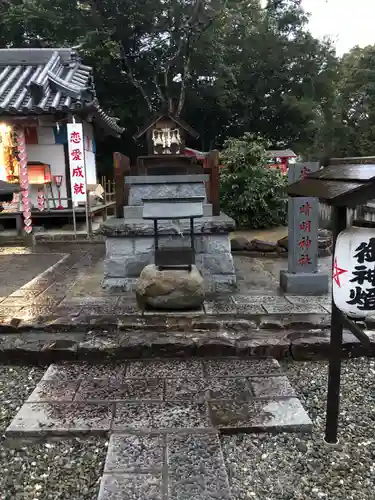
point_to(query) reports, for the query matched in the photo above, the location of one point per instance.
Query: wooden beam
(122, 167)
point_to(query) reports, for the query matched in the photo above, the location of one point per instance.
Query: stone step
(172, 466)
(165, 395)
(163, 417)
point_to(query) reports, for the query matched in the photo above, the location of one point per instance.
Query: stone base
(304, 283)
(130, 248)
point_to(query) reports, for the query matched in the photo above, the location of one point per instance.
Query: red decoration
(75, 137)
(79, 188)
(58, 181)
(304, 260)
(305, 209)
(305, 242)
(336, 272)
(76, 155)
(305, 226)
(78, 172)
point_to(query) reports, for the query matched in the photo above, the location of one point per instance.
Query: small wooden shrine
(166, 135)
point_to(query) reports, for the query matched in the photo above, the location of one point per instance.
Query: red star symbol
(336, 272)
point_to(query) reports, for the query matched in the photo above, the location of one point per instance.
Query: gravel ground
(297, 467)
(54, 470)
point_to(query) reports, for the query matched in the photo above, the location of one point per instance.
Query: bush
(251, 193)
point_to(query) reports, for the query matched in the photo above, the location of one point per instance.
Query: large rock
(240, 243)
(170, 288)
(264, 246)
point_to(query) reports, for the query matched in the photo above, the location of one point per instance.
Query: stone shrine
(167, 174)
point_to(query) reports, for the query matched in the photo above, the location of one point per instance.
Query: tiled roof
(45, 81)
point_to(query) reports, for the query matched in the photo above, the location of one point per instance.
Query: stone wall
(127, 256)
(138, 192)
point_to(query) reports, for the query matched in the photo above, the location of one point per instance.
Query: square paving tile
(216, 307)
(259, 300)
(117, 389)
(8, 311)
(186, 389)
(307, 300)
(236, 388)
(55, 418)
(54, 390)
(74, 371)
(166, 415)
(238, 367)
(165, 368)
(88, 301)
(282, 415)
(24, 294)
(131, 487)
(126, 306)
(132, 453)
(196, 468)
(294, 309)
(271, 387)
(250, 309)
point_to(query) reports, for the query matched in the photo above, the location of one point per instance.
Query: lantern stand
(341, 187)
(58, 181)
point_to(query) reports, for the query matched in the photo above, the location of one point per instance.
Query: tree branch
(181, 100)
(158, 89)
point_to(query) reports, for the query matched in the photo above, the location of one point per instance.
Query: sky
(347, 22)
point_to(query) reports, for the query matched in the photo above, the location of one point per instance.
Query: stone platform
(130, 247)
(164, 418)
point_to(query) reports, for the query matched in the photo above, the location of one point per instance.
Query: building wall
(53, 155)
(90, 160)
(46, 144)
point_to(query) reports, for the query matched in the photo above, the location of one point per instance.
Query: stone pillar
(302, 276)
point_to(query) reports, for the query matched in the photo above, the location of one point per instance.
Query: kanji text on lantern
(363, 292)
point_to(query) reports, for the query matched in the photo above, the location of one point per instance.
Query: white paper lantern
(353, 273)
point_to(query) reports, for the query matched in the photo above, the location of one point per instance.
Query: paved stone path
(69, 294)
(163, 417)
(63, 313)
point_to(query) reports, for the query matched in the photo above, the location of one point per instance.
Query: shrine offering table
(130, 241)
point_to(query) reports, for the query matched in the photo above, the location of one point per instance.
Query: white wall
(47, 151)
(90, 167)
(90, 160)
(53, 155)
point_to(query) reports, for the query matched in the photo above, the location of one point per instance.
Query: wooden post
(213, 161)
(122, 167)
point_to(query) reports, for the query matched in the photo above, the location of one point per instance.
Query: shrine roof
(48, 81)
(281, 153)
(181, 123)
(338, 185)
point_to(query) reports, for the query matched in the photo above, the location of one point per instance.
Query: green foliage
(251, 193)
(236, 66)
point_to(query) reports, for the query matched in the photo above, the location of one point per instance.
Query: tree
(251, 193)
(356, 103)
(150, 41)
(238, 66)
